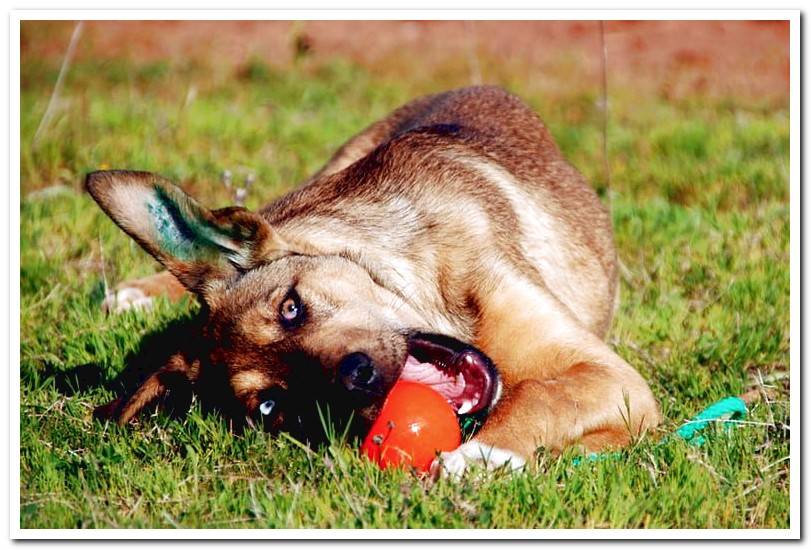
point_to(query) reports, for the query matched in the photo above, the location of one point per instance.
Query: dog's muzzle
(462, 374)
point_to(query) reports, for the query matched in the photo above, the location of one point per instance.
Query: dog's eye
(267, 407)
(270, 412)
(291, 311)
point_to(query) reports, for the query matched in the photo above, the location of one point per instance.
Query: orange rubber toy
(415, 423)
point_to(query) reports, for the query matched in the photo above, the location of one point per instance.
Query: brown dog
(451, 228)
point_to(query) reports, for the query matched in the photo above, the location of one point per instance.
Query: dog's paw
(108, 411)
(124, 299)
(454, 464)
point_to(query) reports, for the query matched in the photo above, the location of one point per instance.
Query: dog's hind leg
(140, 293)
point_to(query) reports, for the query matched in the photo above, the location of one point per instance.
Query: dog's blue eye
(267, 407)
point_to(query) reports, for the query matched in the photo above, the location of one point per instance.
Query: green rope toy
(727, 411)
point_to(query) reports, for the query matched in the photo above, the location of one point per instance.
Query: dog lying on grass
(449, 243)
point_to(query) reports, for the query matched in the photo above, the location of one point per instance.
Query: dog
(449, 243)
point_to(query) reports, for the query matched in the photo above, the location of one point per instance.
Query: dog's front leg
(176, 376)
(562, 385)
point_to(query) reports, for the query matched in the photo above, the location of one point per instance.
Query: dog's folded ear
(199, 246)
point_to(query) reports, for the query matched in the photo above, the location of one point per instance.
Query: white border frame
(403, 14)
(793, 16)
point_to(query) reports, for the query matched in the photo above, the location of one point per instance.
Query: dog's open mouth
(460, 373)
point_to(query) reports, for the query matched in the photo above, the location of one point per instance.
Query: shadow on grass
(153, 352)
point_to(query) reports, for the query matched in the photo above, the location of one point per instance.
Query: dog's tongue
(428, 374)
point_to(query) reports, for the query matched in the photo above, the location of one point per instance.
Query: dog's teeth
(466, 406)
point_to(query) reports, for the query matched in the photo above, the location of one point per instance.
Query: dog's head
(288, 334)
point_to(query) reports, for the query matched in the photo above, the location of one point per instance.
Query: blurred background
(135, 93)
(747, 59)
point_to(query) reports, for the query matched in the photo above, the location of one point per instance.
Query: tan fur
(162, 283)
(455, 215)
(152, 388)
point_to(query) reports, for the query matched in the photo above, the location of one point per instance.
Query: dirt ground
(743, 59)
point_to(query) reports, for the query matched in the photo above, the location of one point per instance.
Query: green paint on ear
(182, 230)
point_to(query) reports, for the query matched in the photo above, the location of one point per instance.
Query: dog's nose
(357, 372)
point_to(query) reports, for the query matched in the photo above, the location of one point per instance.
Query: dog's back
(481, 150)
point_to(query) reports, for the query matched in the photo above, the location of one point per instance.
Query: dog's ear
(199, 246)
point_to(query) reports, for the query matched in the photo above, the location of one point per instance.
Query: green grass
(699, 192)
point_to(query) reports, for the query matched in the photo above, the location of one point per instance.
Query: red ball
(415, 423)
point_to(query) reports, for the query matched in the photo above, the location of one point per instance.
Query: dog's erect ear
(197, 245)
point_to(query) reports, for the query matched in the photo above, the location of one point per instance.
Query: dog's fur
(455, 215)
